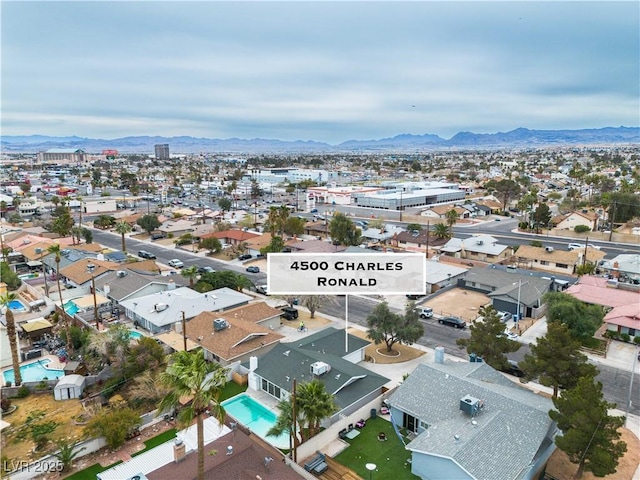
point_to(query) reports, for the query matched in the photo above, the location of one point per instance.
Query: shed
(68, 387)
(75, 367)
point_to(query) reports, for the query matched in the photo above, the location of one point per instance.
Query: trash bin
(373, 413)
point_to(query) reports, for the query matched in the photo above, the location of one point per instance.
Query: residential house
(440, 274)
(321, 356)
(317, 229)
(233, 237)
(441, 211)
(625, 267)
(381, 236)
(315, 246)
(162, 311)
(571, 220)
(623, 316)
(416, 242)
(176, 228)
(555, 261)
(468, 421)
(482, 248)
(227, 338)
(506, 290)
(255, 244)
(128, 283)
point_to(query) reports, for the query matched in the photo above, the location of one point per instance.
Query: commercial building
(162, 151)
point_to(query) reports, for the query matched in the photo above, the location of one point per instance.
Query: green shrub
(523, 226)
(625, 337)
(636, 340)
(23, 391)
(581, 229)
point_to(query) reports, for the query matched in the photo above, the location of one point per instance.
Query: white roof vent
(121, 273)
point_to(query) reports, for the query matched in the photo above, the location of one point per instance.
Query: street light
(371, 467)
(90, 268)
(518, 307)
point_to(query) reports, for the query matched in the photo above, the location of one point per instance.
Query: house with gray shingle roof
(506, 289)
(322, 356)
(468, 421)
(483, 248)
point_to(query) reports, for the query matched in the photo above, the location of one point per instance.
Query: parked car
(289, 313)
(425, 312)
(314, 210)
(157, 235)
(206, 269)
(261, 289)
(176, 263)
(414, 297)
(147, 255)
(452, 322)
(573, 246)
(245, 256)
(512, 368)
(253, 269)
(505, 316)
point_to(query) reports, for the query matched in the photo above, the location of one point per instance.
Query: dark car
(512, 368)
(289, 313)
(245, 256)
(206, 269)
(453, 322)
(147, 255)
(253, 269)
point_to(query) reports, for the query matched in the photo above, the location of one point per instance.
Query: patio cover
(35, 325)
(87, 301)
(175, 341)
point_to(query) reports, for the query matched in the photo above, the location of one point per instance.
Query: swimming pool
(33, 372)
(133, 335)
(71, 308)
(256, 417)
(17, 306)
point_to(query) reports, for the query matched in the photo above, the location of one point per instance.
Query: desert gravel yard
(458, 303)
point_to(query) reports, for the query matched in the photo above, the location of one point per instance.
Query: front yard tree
(442, 231)
(149, 223)
(488, 340)
(505, 190)
(225, 204)
(541, 216)
(556, 359)
(314, 302)
(590, 436)
(582, 320)
(211, 244)
(390, 328)
(343, 230)
(122, 228)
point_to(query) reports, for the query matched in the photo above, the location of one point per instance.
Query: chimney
(171, 285)
(179, 450)
(439, 354)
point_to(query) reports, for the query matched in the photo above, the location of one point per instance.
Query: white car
(573, 246)
(505, 316)
(175, 263)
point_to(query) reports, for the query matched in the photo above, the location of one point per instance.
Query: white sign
(346, 273)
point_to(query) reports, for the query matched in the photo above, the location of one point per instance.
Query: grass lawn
(90, 473)
(157, 440)
(231, 389)
(390, 456)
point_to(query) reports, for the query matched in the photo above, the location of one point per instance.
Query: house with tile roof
(321, 356)
(315, 246)
(468, 421)
(623, 306)
(580, 217)
(162, 311)
(555, 261)
(228, 339)
(232, 237)
(482, 248)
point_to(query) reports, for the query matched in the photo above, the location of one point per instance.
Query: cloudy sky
(325, 71)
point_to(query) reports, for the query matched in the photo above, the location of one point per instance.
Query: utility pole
(293, 414)
(184, 331)
(428, 233)
(586, 249)
(400, 205)
(611, 219)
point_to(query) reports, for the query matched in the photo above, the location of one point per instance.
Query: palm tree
(5, 300)
(452, 217)
(123, 228)
(315, 404)
(442, 231)
(242, 282)
(191, 273)
(284, 422)
(190, 375)
(67, 453)
(55, 249)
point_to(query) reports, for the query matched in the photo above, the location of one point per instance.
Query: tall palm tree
(452, 217)
(123, 228)
(5, 300)
(190, 375)
(55, 250)
(191, 273)
(315, 404)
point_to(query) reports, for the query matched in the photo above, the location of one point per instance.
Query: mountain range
(518, 138)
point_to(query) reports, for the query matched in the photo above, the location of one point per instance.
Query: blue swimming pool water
(256, 417)
(133, 335)
(71, 308)
(33, 372)
(17, 306)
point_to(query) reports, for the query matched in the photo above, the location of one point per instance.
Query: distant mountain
(520, 137)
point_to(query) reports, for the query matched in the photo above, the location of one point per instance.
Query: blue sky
(325, 71)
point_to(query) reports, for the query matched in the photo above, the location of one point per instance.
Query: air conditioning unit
(549, 249)
(480, 242)
(160, 307)
(219, 324)
(319, 368)
(121, 273)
